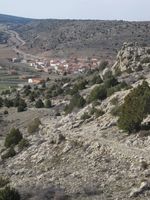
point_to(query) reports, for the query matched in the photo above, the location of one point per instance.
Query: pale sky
(133, 10)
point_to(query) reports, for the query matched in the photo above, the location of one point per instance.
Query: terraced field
(7, 81)
(10, 75)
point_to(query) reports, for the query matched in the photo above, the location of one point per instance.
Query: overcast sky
(78, 9)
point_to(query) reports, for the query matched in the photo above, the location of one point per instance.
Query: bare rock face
(146, 121)
(136, 191)
(132, 57)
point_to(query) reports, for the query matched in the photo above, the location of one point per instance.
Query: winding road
(16, 42)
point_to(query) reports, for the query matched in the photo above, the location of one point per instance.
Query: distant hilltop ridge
(65, 38)
(13, 19)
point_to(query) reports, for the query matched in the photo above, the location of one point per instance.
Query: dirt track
(16, 42)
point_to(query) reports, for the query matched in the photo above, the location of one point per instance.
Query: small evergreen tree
(98, 93)
(13, 137)
(22, 105)
(77, 101)
(3, 181)
(82, 84)
(16, 101)
(96, 79)
(23, 144)
(74, 90)
(5, 112)
(9, 194)
(32, 97)
(8, 103)
(39, 104)
(10, 153)
(34, 125)
(136, 106)
(48, 103)
(110, 82)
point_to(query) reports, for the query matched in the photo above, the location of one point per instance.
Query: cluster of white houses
(73, 65)
(61, 66)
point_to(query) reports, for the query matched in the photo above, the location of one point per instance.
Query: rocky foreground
(73, 159)
(90, 159)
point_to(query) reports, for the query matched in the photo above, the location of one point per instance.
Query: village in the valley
(59, 66)
(41, 64)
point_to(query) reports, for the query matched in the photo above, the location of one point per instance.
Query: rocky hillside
(82, 37)
(68, 140)
(65, 38)
(132, 58)
(77, 37)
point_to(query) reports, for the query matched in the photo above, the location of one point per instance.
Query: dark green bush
(5, 92)
(48, 103)
(77, 101)
(16, 101)
(34, 125)
(47, 94)
(13, 138)
(96, 112)
(22, 105)
(43, 85)
(82, 84)
(111, 91)
(9, 194)
(20, 109)
(96, 79)
(3, 182)
(5, 112)
(10, 153)
(27, 87)
(54, 90)
(136, 106)
(74, 90)
(32, 97)
(116, 88)
(111, 82)
(139, 68)
(8, 103)
(39, 104)
(58, 91)
(98, 93)
(23, 144)
(85, 116)
(27, 91)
